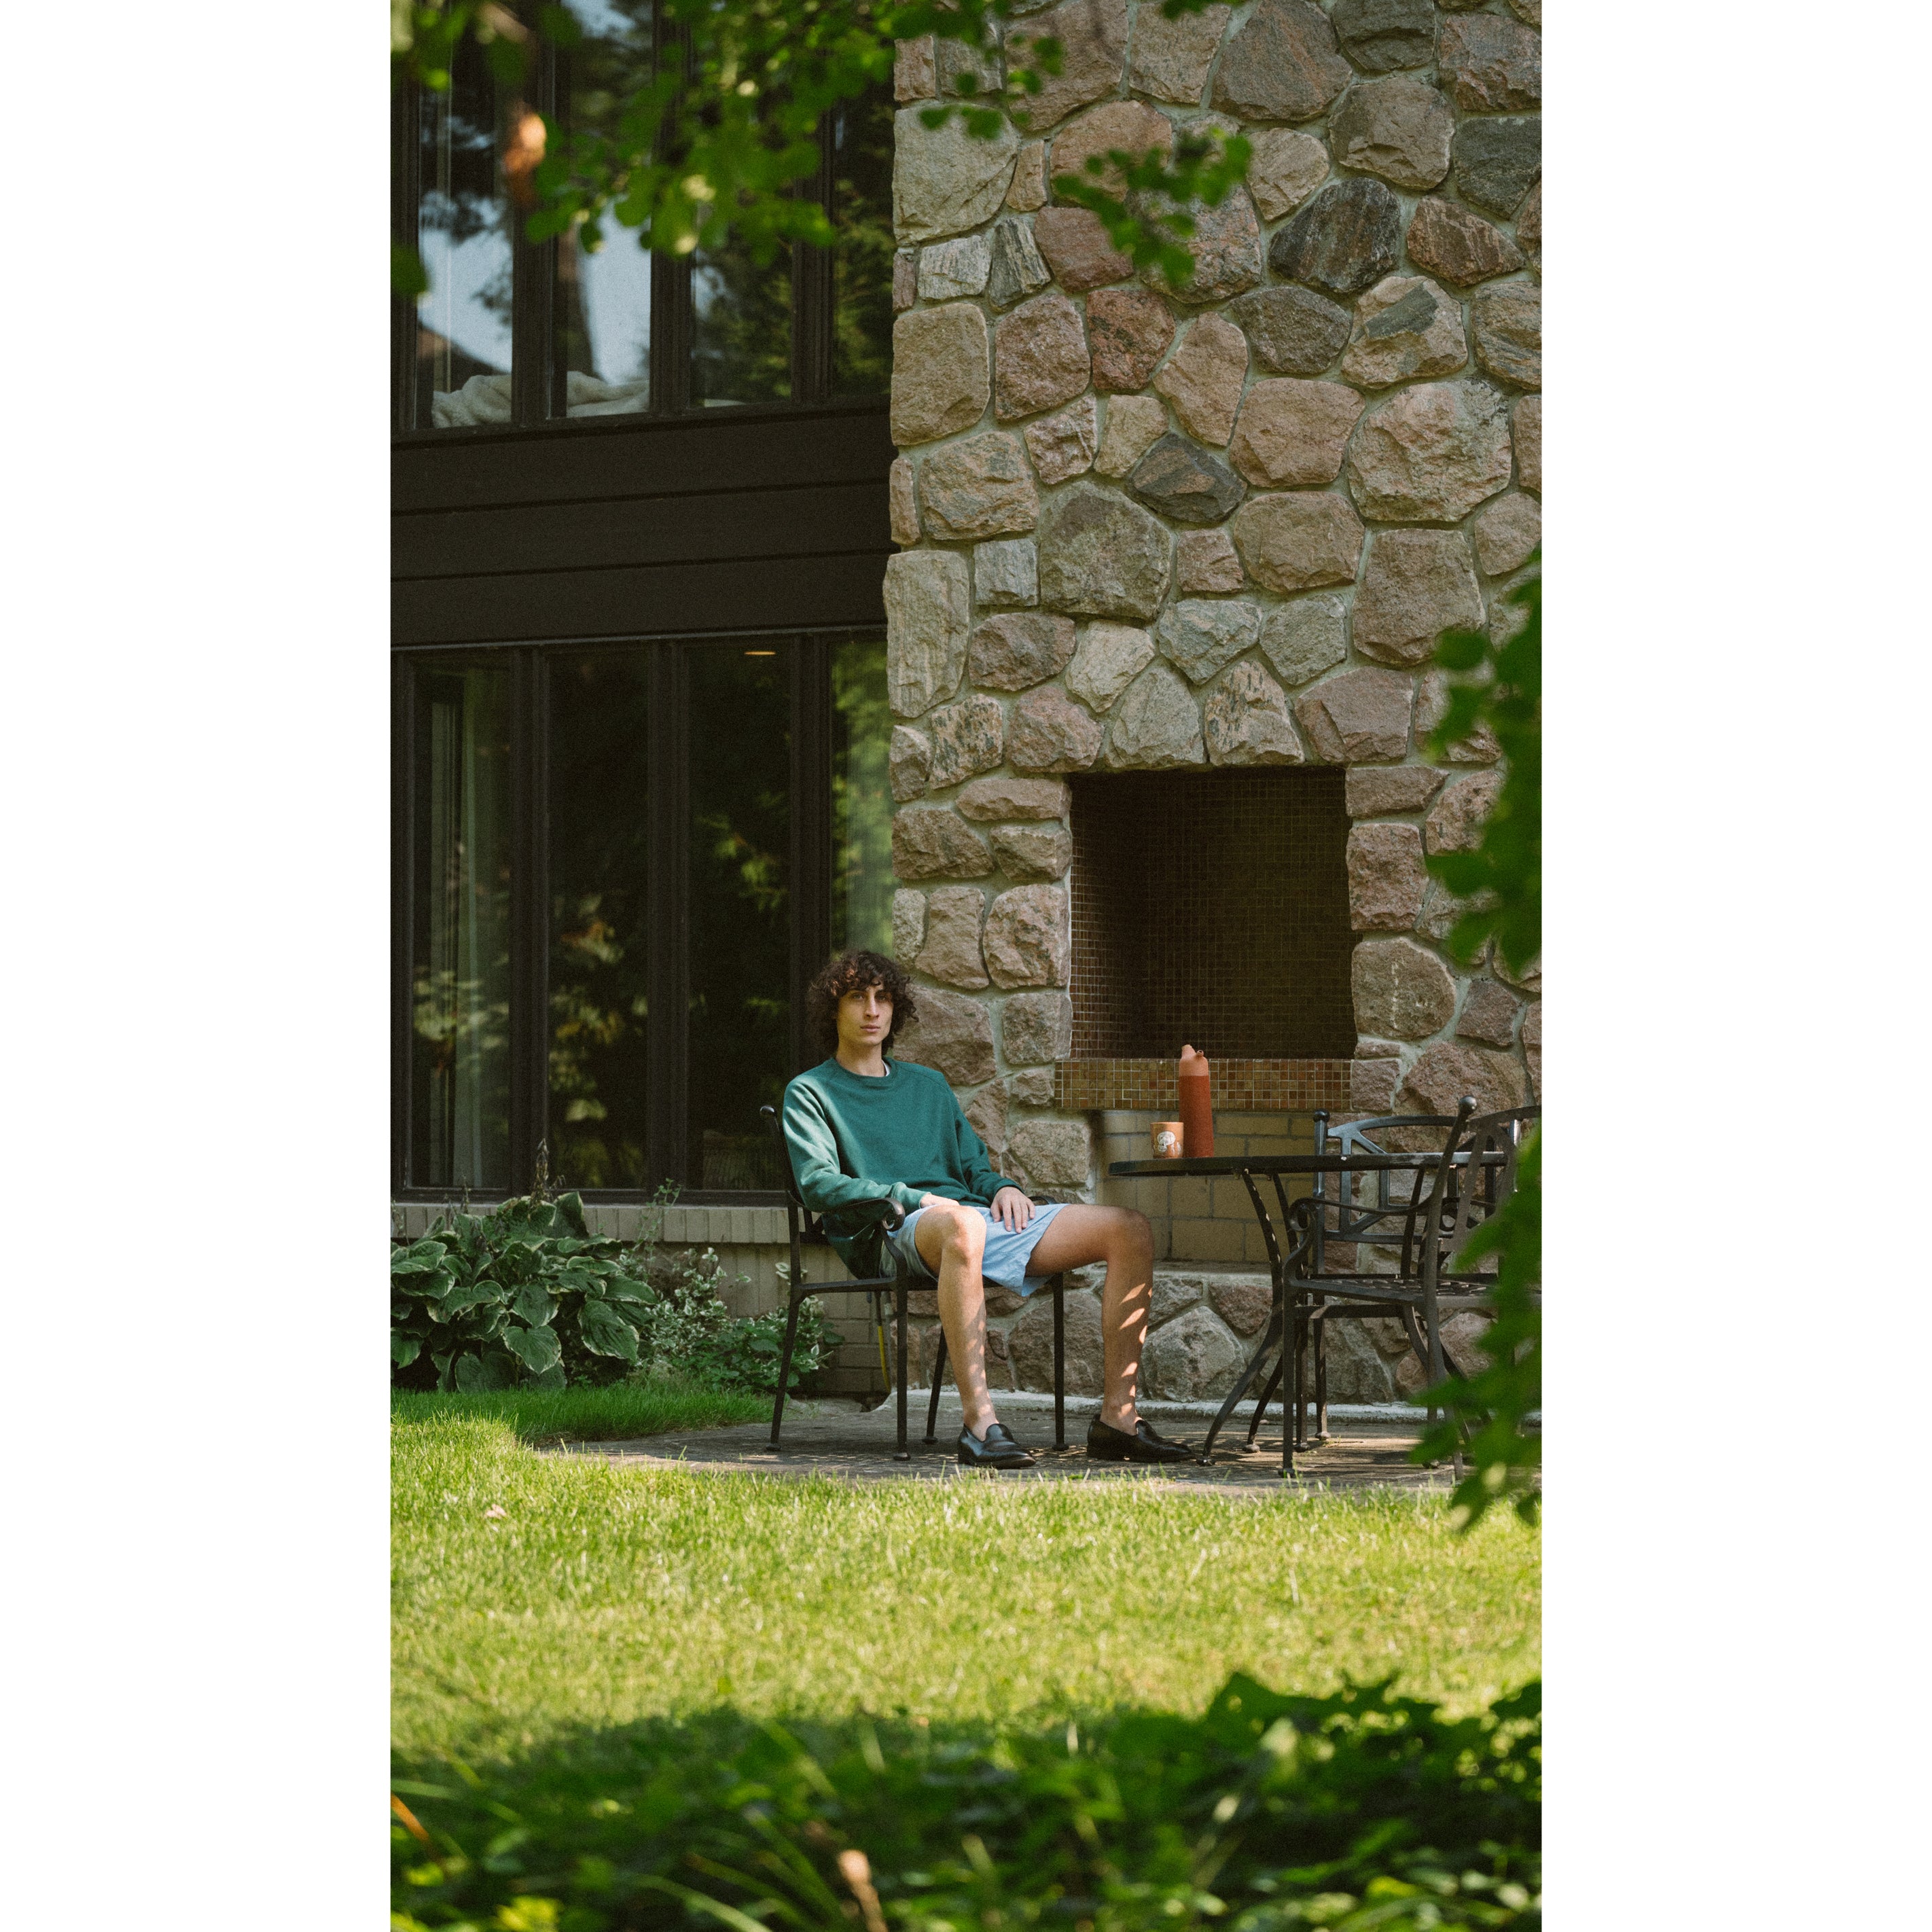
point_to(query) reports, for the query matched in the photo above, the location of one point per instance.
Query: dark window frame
(810, 860)
(537, 375)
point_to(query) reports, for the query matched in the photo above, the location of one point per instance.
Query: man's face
(865, 1019)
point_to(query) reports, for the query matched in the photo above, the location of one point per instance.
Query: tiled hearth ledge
(1239, 1086)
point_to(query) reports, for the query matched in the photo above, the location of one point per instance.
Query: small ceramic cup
(1167, 1140)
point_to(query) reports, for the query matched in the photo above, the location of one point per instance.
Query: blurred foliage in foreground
(1500, 686)
(1361, 1809)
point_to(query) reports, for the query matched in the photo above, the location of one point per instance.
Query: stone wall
(1144, 532)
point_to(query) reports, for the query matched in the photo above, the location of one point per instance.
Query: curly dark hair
(854, 973)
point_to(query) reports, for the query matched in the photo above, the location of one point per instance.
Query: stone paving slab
(857, 1446)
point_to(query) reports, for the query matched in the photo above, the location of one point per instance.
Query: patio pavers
(856, 1446)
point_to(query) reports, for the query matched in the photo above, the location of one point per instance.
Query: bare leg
(1121, 1237)
(952, 1241)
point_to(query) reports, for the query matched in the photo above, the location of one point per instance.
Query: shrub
(690, 1329)
(1266, 1813)
(526, 1297)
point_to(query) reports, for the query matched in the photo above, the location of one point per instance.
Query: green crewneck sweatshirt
(854, 1137)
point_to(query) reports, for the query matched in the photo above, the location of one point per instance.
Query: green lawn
(624, 1410)
(600, 1596)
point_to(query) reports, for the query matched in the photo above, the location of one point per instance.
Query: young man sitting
(862, 1127)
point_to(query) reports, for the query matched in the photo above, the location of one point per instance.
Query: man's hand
(1012, 1209)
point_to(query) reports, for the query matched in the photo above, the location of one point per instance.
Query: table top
(1277, 1163)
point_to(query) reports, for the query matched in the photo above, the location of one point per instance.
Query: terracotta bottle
(1197, 1106)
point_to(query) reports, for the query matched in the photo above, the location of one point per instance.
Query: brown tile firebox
(1211, 908)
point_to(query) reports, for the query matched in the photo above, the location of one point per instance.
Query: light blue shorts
(1007, 1253)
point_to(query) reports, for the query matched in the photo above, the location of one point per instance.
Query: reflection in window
(599, 873)
(463, 234)
(460, 1044)
(862, 799)
(862, 261)
(604, 300)
(741, 326)
(739, 1036)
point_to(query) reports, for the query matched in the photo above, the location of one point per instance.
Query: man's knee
(1131, 1229)
(961, 1231)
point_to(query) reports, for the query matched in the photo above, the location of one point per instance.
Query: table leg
(1268, 1396)
(1242, 1385)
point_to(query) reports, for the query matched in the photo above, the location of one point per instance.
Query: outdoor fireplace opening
(1212, 909)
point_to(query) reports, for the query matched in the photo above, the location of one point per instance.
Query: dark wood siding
(775, 520)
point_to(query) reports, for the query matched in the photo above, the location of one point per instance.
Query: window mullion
(406, 196)
(811, 292)
(533, 274)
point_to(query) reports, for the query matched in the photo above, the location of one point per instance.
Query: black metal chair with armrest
(810, 1230)
(1434, 1210)
(1362, 1208)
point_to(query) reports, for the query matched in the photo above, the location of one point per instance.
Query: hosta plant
(524, 1296)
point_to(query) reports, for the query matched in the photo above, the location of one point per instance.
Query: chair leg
(902, 1453)
(1060, 1361)
(784, 1366)
(1294, 1349)
(1434, 1329)
(938, 1382)
(1321, 1382)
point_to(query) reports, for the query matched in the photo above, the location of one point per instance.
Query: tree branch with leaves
(1499, 687)
(718, 140)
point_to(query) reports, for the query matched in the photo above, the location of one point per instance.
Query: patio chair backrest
(1475, 1177)
(805, 1221)
(1390, 1193)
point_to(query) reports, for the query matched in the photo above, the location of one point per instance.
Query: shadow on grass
(618, 1412)
(1362, 1808)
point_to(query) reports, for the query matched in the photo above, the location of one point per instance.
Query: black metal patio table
(1292, 1272)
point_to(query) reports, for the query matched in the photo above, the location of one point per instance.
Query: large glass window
(861, 798)
(739, 996)
(463, 236)
(625, 860)
(619, 332)
(599, 935)
(741, 327)
(604, 300)
(862, 263)
(459, 965)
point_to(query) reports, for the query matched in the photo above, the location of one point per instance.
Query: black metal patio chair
(809, 1230)
(1426, 1216)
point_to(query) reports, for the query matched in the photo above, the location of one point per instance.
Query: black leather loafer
(996, 1449)
(1106, 1444)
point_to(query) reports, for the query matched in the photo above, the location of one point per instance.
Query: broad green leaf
(479, 1375)
(532, 1304)
(404, 1349)
(605, 1332)
(621, 1288)
(483, 1294)
(536, 1348)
